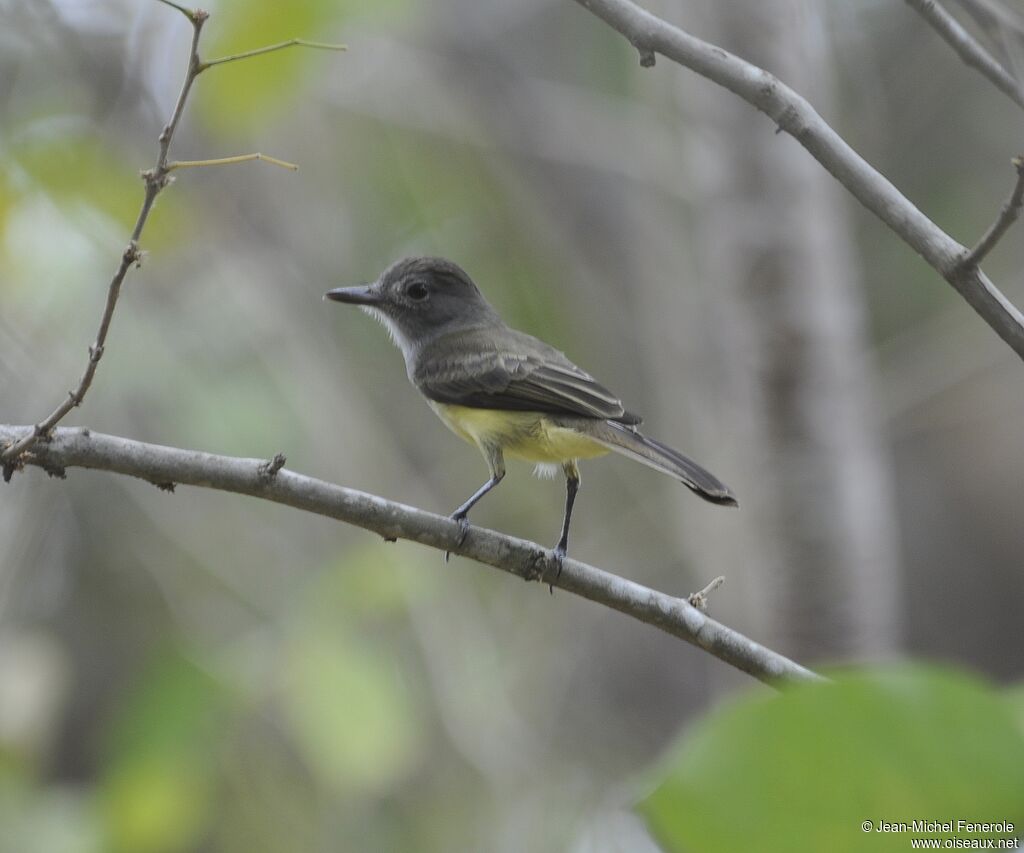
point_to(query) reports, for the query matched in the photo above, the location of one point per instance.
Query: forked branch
(792, 113)
(968, 48)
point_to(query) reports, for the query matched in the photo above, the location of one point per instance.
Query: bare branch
(155, 179)
(968, 48)
(793, 114)
(1007, 216)
(70, 448)
(227, 161)
(316, 45)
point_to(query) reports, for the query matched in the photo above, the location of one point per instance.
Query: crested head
(419, 299)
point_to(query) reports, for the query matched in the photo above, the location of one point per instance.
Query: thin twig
(71, 447)
(994, 19)
(792, 113)
(968, 48)
(155, 179)
(259, 51)
(227, 161)
(188, 13)
(1007, 216)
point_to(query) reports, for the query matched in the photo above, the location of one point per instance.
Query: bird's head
(418, 299)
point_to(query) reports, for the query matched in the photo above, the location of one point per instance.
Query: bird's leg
(572, 486)
(496, 462)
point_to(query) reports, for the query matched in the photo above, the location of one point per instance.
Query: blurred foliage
(257, 91)
(165, 744)
(78, 169)
(802, 770)
(350, 711)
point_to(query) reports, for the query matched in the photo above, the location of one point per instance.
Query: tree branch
(968, 48)
(167, 466)
(1007, 216)
(793, 114)
(156, 180)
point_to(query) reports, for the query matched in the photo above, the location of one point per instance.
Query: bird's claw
(463, 530)
(559, 554)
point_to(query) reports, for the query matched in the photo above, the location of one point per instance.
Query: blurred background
(198, 671)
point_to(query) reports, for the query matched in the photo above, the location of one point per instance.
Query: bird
(505, 391)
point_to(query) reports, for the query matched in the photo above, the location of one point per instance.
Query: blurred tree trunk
(815, 555)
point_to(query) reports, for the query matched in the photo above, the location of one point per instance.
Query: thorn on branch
(272, 466)
(647, 57)
(227, 161)
(270, 48)
(164, 486)
(699, 600)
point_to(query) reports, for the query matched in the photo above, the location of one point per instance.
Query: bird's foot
(559, 554)
(463, 530)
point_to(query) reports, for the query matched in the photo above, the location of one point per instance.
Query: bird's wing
(533, 377)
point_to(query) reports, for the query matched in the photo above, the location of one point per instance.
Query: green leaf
(802, 770)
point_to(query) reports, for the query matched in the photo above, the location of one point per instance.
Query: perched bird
(505, 391)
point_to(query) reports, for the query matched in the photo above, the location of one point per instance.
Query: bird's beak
(364, 294)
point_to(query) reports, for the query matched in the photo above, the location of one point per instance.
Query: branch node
(536, 566)
(164, 485)
(57, 472)
(272, 466)
(699, 600)
(647, 57)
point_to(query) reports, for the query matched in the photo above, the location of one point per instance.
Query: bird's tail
(627, 441)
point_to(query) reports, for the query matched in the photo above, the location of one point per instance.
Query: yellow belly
(521, 435)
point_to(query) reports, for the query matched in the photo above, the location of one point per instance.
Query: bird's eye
(417, 291)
